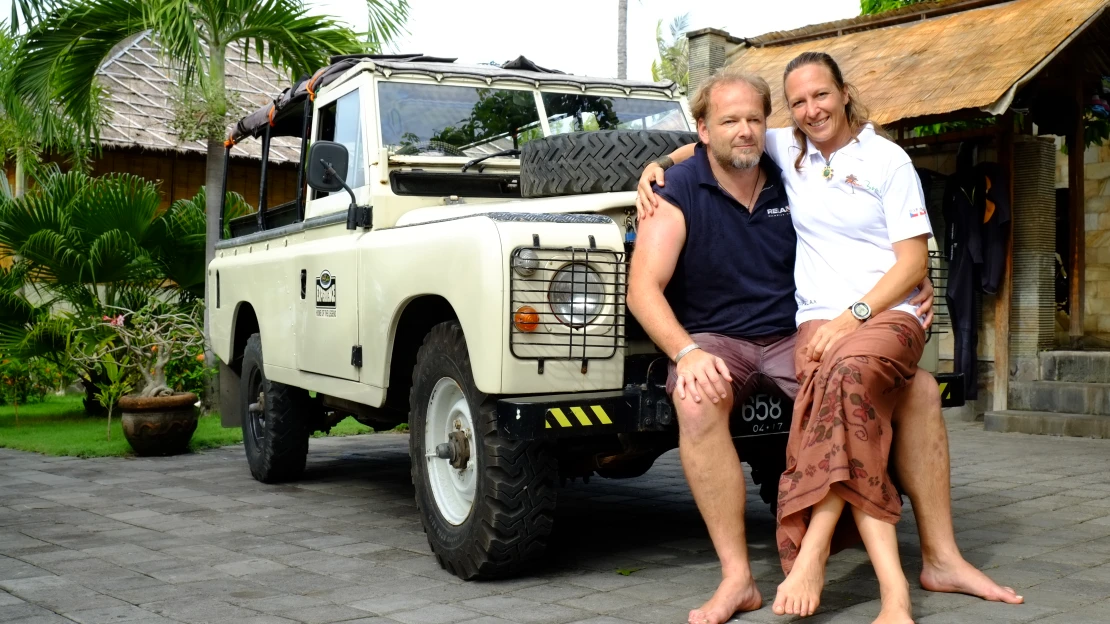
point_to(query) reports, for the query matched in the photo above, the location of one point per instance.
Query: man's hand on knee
(703, 374)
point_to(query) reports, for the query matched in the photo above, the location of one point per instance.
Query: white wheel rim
(452, 489)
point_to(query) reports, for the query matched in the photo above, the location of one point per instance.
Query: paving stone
(249, 566)
(434, 614)
(126, 613)
(324, 614)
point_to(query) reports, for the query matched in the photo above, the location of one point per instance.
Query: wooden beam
(956, 136)
(1002, 300)
(1078, 232)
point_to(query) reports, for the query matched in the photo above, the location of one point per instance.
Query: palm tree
(81, 245)
(674, 56)
(64, 49)
(24, 131)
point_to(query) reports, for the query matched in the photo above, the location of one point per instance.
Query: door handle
(304, 282)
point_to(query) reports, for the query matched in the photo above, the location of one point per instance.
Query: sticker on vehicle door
(325, 294)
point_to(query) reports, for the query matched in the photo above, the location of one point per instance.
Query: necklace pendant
(827, 172)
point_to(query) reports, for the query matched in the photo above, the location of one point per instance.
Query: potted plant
(135, 347)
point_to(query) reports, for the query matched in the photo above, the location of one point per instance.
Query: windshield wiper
(508, 152)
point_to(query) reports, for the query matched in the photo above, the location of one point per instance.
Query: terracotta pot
(159, 425)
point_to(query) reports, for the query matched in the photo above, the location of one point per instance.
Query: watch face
(861, 310)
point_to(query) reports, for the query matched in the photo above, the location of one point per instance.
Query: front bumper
(568, 415)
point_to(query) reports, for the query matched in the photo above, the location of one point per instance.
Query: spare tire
(604, 161)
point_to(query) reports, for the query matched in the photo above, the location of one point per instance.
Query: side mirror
(327, 166)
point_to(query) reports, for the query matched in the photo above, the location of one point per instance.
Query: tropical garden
(101, 285)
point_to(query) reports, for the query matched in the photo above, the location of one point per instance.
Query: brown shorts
(751, 363)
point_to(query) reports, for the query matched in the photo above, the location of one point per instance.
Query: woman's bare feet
(800, 593)
(896, 606)
(960, 577)
(732, 595)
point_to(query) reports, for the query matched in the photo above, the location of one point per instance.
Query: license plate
(763, 414)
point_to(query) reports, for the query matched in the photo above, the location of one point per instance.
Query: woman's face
(817, 105)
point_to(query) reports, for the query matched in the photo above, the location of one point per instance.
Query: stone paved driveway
(194, 539)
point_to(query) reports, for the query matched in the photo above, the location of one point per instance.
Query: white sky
(577, 36)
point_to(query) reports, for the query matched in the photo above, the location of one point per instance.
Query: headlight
(576, 295)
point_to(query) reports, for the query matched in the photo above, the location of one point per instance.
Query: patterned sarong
(840, 436)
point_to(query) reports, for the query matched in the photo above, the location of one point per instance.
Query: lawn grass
(59, 426)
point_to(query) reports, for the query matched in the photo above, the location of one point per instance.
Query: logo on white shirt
(852, 180)
(918, 212)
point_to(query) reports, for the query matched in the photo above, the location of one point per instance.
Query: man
(712, 284)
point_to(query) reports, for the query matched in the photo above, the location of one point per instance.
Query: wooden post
(1077, 217)
(1002, 300)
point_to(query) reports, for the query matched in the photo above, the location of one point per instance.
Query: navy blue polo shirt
(735, 274)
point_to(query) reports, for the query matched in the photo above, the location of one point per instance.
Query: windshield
(570, 112)
(446, 120)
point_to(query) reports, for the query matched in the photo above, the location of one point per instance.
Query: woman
(858, 209)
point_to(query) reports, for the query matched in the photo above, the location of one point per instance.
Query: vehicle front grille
(580, 338)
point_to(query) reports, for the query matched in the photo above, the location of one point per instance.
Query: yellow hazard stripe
(560, 417)
(942, 387)
(581, 416)
(601, 415)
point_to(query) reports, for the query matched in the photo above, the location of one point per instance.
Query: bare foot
(800, 593)
(732, 595)
(893, 616)
(896, 607)
(963, 578)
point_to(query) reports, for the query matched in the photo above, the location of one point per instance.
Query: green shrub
(28, 381)
(189, 373)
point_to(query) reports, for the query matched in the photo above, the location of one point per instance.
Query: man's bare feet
(732, 595)
(960, 577)
(800, 593)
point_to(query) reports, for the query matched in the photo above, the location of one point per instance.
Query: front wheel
(487, 503)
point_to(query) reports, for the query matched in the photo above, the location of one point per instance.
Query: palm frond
(61, 53)
(386, 22)
(285, 33)
(117, 202)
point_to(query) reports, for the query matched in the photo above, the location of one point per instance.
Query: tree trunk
(622, 38)
(20, 176)
(213, 185)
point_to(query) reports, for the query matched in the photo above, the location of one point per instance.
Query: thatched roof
(140, 88)
(932, 58)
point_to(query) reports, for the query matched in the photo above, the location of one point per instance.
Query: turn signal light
(526, 319)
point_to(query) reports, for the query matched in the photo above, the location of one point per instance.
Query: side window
(340, 122)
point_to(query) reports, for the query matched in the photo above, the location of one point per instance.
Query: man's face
(734, 128)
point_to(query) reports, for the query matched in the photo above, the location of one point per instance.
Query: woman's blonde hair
(855, 109)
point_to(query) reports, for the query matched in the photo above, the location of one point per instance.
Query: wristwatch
(665, 162)
(860, 310)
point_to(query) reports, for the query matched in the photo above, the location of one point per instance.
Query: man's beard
(725, 158)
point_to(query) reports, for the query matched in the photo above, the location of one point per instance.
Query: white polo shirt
(847, 225)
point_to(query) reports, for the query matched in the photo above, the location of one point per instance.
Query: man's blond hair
(699, 106)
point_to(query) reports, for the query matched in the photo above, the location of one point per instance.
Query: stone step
(1060, 396)
(1077, 366)
(1048, 423)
